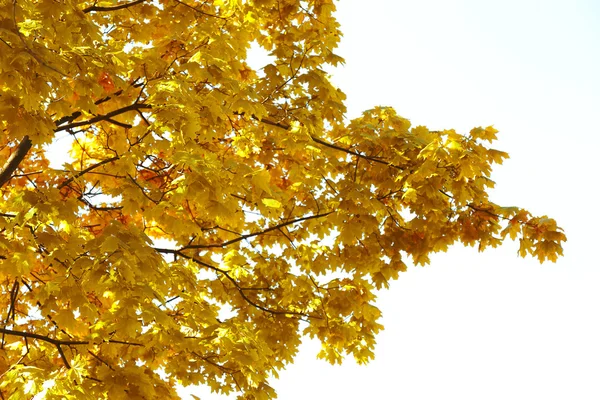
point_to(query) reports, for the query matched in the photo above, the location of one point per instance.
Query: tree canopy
(210, 214)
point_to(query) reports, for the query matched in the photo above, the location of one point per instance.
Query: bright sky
(483, 325)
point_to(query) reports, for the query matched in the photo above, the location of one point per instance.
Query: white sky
(483, 325)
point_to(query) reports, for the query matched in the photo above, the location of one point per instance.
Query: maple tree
(210, 214)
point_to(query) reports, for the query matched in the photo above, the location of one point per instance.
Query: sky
(483, 325)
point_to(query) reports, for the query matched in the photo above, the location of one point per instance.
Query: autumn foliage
(210, 214)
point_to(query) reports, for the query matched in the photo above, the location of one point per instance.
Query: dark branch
(77, 114)
(14, 160)
(478, 209)
(62, 355)
(239, 288)
(198, 10)
(105, 117)
(286, 126)
(242, 237)
(363, 156)
(143, 190)
(58, 342)
(88, 169)
(112, 8)
(121, 124)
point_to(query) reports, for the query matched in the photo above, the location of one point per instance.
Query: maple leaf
(204, 208)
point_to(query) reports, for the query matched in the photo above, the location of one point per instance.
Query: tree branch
(105, 117)
(77, 114)
(198, 10)
(363, 156)
(286, 126)
(58, 342)
(62, 355)
(112, 8)
(239, 288)
(14, 160)
(249, 235)
(88, 169)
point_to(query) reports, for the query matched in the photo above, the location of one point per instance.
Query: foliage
(211, 214)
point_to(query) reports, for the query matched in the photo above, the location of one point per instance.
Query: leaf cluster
(209, 214)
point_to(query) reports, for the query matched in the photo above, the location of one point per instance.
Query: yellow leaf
(262, 180)
(271, 203)
(410, 195)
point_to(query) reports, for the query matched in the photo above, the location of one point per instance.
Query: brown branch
(288, 238)
(125, 343)
(101, 360)
(11, 309)
(14, 160)
(198, 10)
(56, 342)
(121, 124)
(112, 8)
(357, 154)
(24, 281)
(391, 193)
(475, 208)
(68, 118)
(329, 184)
(92, 378)
(239, 288)
(292, 76)
(286, 126)
(26, 174)
(5, 42)
(96, 208)
(62, 355)
(77, 114)
(249, 235)
(105, 117)
(144, 190)
(282, 125)
(59, 342)
(88, 169)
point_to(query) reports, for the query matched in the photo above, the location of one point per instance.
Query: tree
(211, 214)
